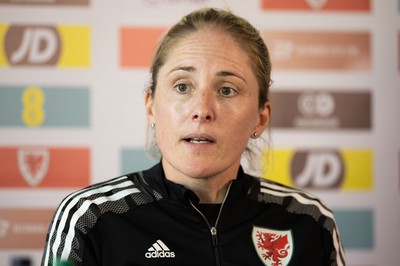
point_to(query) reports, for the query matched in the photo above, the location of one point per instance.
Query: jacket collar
(156, 181)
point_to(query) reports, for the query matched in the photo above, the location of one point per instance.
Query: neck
(209, 193)
(209, 189)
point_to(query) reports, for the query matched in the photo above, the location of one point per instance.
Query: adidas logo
(159, 250)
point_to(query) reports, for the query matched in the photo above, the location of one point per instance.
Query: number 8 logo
(33, 113)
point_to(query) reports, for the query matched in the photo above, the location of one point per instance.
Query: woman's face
(205, 106)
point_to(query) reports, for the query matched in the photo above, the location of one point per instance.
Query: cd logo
(312, 104)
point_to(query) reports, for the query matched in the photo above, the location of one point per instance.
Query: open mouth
(199, 140)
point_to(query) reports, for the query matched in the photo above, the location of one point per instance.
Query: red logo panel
(24, 228)
(43, 167)
(326, 5)
(138, 46)
(307, 50)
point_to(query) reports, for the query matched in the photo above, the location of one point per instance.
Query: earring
(254, 135)
(153, 125)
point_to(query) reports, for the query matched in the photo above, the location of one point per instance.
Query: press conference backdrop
(72, 76)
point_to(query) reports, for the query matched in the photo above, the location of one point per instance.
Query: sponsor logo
(44, 45)
(32, 45)
(274, 247)
(33, 164)
(46, 2)
(159, 250)
(138, 45)
(322, 110)
(40, 167)
(18, 225)
(318, 5)
(319, 50)
(316, 104)
(4, 227)
(321, 169)
(317, 169)
(35, 106)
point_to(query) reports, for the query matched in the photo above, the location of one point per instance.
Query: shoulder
(295, 201)
(299, 202)
(116, 195)
(79, 212)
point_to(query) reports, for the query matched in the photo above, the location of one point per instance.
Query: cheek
(168, 113)
(245, 119)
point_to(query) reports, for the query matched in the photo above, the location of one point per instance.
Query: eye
(227, 91)
(182, 88)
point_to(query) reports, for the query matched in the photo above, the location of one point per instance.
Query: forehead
(210, 45)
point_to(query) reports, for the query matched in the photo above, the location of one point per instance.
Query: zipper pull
(214, 236)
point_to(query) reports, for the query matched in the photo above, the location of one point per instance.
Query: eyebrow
(228, 73)
(183, 68)
(219, 74)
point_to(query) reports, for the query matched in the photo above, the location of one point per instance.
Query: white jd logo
(321, 170)
(38, 46)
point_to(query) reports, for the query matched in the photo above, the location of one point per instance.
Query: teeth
(199, 140)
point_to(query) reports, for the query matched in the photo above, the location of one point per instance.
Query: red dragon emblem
(274, 247)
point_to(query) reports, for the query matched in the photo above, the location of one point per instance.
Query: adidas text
(160, 254)
(159, 250)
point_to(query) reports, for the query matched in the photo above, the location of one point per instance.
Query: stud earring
(254, 135)
(153, 125)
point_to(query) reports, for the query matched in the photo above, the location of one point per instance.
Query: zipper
(213, 229)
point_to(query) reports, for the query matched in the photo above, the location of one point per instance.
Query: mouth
(199, 140)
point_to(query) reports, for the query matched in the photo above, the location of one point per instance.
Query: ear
(264, 117)
(149, 106)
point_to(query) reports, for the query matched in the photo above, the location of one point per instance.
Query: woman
(207, 100)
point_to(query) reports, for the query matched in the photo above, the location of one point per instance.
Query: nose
(202, 116)
(204, 107)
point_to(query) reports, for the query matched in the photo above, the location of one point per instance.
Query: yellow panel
(276, 166)
(75, 45)
(3, 58)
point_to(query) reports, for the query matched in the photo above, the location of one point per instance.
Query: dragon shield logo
(274, 247)
(316, 4)
(33, 164)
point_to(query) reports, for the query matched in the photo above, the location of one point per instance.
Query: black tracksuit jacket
(144, 219)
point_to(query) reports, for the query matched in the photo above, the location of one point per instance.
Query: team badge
(274, 247)
(316, 4)
(33, 164)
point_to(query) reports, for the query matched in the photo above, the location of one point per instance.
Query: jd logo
(32, 45)
(316, 104)
(319, 169)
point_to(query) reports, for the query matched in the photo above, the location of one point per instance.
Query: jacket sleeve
(66, 237)
(333, 246)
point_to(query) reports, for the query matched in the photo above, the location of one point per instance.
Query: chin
(197, 172)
